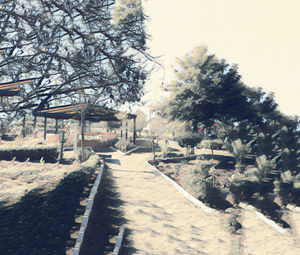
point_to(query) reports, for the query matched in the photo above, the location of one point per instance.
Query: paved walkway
(160, 220)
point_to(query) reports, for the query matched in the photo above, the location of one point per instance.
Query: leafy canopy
(72, 46)
(206, 89)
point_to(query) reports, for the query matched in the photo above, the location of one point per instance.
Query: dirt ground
(41, 206)
(19, 178)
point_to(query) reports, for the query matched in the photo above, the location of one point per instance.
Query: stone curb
(119, 240)
(211, 210)
(124, 153)
(293, 208)
(269, 222)
(87, 211)
(185, 193)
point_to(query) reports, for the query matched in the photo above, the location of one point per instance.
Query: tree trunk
(75, 141)
(45, 128)
(134, 130)
(192, 150)
(34, 122)
(62, 141)
(23, 129)
(153, 149)
(82, 136)
(187, 152)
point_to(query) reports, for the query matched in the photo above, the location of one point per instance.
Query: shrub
(197, 185)
(124, 145)
(177, 168)
(109, 139)
(189, 139)
(264, 166)
(89, 166)
(242, 189)
(204, 191)
(49, 153)
(87, 153)
(172, 154)
(215, 144)
(205, 167)
(239, 151)
(290, 186)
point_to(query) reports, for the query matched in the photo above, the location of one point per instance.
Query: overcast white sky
(261, 36)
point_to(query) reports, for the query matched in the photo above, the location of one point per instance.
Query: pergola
(12, 88)
(93, 113)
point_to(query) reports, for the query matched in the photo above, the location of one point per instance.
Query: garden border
(207, 209)
(87, 212)
(184, 192)
(262, 217)
(293, 208)
(119, 240)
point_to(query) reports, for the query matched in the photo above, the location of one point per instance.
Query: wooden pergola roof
(96, 113)
(12, 88)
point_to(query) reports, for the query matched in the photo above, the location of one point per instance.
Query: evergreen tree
(207, 90)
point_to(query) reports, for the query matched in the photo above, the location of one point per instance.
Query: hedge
(124, 145)
(49, 153)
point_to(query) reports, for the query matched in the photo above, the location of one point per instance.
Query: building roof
(96, 113)
(12, 88)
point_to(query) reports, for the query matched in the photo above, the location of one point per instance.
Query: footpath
(159, 220)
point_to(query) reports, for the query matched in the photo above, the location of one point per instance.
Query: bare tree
(67, 46)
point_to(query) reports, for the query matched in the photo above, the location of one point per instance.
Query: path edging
(185, 193)
(119, 240)
(263, 218)
(293, 208)
(125, 153)
(207, 209)
(87, 211)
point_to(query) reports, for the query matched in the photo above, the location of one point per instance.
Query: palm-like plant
(212, 175)
(263, 167)
(239, 150)
(288, 177)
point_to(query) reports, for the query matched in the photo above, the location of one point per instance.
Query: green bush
(89, 166)
(172, 155)
(88, 151)
(187, 139)
(197, 185)
(124, 145)
(49, 153)
(215, 144)
(110, 142)
(205, 167)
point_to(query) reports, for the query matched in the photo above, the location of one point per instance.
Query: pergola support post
(45, 128)
(134, 130)
(82, 136)
(34, 122)
(121, 129)
(75, 141)
(23, 128)
(56, 126)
